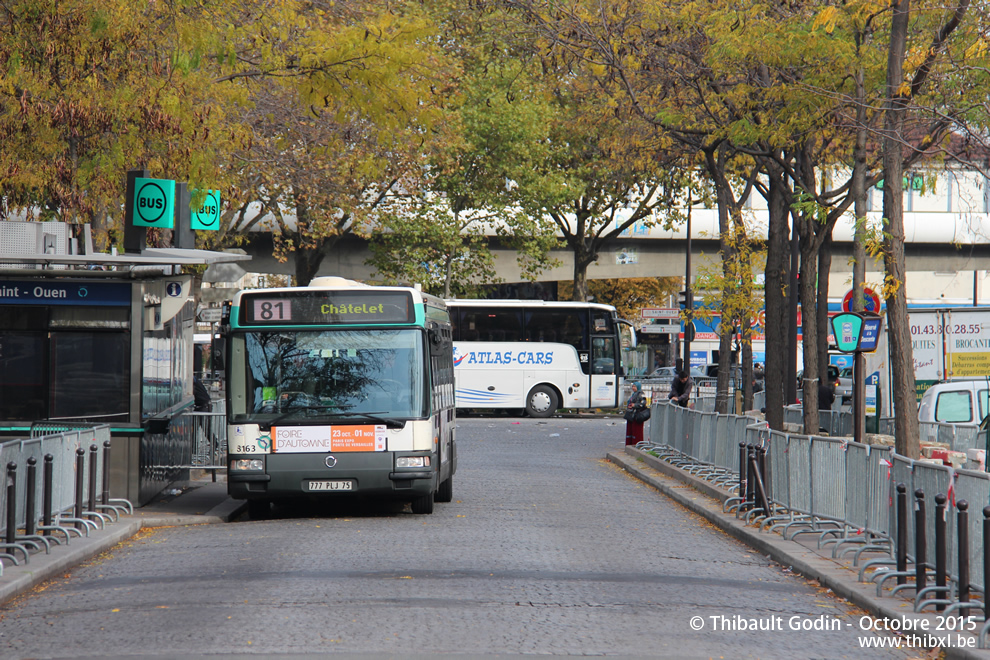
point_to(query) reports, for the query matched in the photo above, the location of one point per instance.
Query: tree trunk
(821, 309)
(583, 257)
(777, 277)
(906, 441)
(809, 328)
(725, 199)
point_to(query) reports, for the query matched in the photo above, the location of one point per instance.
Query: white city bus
(339, 389)
(536, 356)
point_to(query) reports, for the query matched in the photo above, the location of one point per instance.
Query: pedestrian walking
(680, 388)
(201, 396)
(826, 396)
(637, 412)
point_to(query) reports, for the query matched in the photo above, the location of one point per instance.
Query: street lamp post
(688, 297)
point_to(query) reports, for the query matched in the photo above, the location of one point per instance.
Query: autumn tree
(492, 136)
(629, 295)
(331, 147)
(91, 90)
(601, 176)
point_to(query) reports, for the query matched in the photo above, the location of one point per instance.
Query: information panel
(338, 438)
(326, 307)
(64, 292)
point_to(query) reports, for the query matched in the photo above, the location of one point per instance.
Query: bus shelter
(103, 339)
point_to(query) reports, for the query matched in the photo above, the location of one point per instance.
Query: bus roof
(343, 284)
(475, 302)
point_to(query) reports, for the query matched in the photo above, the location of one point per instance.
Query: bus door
(604, 373)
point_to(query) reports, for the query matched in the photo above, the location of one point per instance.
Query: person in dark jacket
(826, 396)
(633, 415)
(680, 388)
(201, 397)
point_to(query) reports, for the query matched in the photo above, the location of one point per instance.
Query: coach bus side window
(490, 325)
(565, 327)
(601, 322)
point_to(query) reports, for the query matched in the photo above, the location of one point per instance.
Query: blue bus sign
(870, 336)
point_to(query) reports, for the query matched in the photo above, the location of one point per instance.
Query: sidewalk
(800, 555)
(201, 501)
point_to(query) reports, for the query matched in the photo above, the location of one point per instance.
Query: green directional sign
(207, 218)
(847, 328)
(154, 203)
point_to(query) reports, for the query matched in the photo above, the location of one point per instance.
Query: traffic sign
(657, 329)
(660, 313)
(847, 327)
(154, 203)
(209, 315)
(871, 301)
(870, 335)
(207, 218)
(857, 332)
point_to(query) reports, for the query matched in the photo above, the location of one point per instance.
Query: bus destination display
(327, 308)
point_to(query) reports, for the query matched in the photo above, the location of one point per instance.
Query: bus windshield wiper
(298, 409)
(374, 416)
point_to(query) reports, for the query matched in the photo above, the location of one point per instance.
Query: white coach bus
(536, 356)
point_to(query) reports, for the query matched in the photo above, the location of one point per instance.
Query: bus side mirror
(436, 341)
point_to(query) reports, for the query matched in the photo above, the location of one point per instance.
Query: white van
(956, 402)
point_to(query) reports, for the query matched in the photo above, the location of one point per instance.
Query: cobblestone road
(546, 549)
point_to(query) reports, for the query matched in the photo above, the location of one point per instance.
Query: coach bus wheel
(445, 492)
(423, 504)
(259, 509)
(541, 402)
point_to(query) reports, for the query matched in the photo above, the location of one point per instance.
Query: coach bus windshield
(314, 375)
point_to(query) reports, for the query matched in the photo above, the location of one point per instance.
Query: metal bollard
(750, 478)
(902, 533)
(47, 478)
(30, 497)
(742, 470)
(920, 542)
(93, 467)
(106, 472)
(80, 476)
(761, 500)
(940, 549)
(11, 503)
(962, 522)
(761, 453)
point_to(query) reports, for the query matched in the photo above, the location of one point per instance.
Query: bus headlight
(243, 464)
(412, 461)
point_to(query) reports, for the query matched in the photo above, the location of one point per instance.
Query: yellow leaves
(826, 19)
(977, 50)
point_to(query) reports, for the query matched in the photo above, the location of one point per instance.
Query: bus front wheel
(541, 401)
(423, 504)
(445, 492)
(259, 509)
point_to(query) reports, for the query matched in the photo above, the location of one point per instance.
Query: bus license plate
(330, 485)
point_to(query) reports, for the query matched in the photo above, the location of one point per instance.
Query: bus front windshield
(327, 374)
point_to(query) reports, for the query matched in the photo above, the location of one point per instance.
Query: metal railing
(844, 492)
(57, 486)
